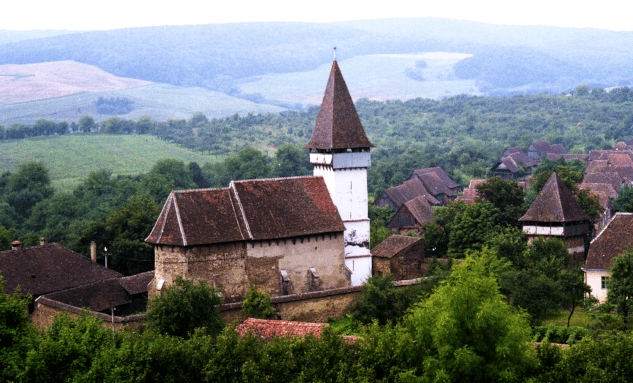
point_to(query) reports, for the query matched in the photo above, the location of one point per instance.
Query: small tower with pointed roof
(556, 213)
(340, 153)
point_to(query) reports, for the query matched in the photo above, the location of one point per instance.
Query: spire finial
(334, 53)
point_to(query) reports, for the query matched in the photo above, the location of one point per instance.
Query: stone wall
(46, 310)
(314, 307)
(234, 266)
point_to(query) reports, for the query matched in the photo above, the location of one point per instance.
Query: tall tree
(620, 284)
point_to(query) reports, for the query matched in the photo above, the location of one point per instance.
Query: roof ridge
(239, 204)
(179, 219)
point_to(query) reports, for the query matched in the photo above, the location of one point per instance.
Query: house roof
(394, 245)
(554, 203)
(420, 208)
(247, 210)
(277, 328)
(44, 269)
(446, 180)
(96, 296)
(338, 125)
(607, 189)
(598, 177)
(515, 149)
(476, 182)
(506, 163)
(567, 157)
(544, 147)
(136, 284)
(103, 295)
(614, 239)
(409, 190)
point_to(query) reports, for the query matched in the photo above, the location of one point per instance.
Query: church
(286, 235)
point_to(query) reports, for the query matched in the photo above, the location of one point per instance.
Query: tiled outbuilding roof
(96, 296)
(567, 157)
(614, 239)
(269, 329)
(445, 179)
(393, 245)
(607, 189)
(247, 210)
(409, 190)
(103, 295)
(420, 208)
(338, 125)
(136, 284)
(612, 178)
(48, 268)
(554, 203)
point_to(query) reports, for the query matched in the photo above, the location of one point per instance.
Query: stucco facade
(593, 279)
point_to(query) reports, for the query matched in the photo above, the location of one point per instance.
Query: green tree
(467, 332)
(185, 306)
(470, 229)
(175, 171)
(16, 333)
(87, 124)
(290, 161)
(620, 285)
(575, 289)
(257, 304)
(505, 195)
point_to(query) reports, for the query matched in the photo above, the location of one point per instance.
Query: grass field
(377, 77)
(71, 158)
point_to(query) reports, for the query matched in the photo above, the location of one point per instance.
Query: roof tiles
(554, 203)
(338, 125)
(247, 210)
(44, 269)
(276, 328)
(612, 241)
(393, 245)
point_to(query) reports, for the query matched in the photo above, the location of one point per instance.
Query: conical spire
(337, 125)
(555, 203)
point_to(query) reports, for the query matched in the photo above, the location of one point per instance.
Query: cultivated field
(71, 158)
(30, 82)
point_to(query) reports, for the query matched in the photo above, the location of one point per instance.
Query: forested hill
(506, 58)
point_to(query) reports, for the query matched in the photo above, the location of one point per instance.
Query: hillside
(71, 158)
(217, 56)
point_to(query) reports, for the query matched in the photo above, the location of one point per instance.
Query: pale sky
(114, 14)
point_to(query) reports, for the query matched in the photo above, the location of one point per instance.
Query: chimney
(42, 241)
(16, 245)
(93, 251)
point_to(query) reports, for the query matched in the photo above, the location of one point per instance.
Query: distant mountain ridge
(506, 58)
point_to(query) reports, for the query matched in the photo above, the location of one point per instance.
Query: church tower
(340, 153)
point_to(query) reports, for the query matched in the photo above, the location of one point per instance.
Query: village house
(397, 196)
(437, 183)
(286, 235)
(48, 268)
(411, 216)
(556, 213)
(539, 148)
(612, 241)
(401, 256)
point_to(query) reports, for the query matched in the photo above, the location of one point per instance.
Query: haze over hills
(278, 65)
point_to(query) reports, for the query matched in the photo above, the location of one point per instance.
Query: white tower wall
(345, 175)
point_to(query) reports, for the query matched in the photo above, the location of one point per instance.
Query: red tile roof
(394, 245)
(338, 125)
(614, 239)
(247, 210)
(554, 203)
(269, 329)
(44, 269)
